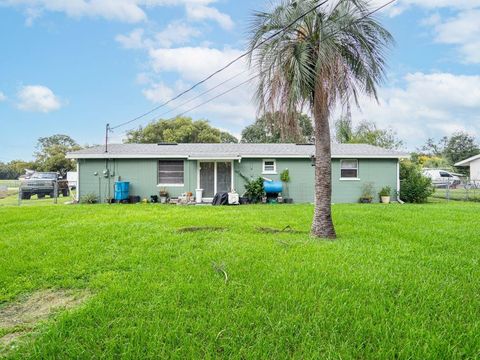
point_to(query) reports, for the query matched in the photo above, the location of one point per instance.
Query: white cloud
(233, 110)
(202, 12)
(158, 93)
(2, 97)
(462, 30)
(401, 5)
(175, 33)
(37, 98)
(428, 105)
(130, 11)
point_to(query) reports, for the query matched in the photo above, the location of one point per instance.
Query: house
(180, 168)
(474, 164)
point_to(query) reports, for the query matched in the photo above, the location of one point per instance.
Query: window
(170, 172)
(349, 169)
(445, 174)
(269, 167)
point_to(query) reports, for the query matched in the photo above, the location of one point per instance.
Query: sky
(72, 66)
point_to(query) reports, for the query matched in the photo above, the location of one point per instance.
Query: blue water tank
(122, 190)
(272, 187)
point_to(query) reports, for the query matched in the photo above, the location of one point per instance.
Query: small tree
(415, 187)
(285, 178)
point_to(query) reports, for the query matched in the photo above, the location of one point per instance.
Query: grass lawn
(460, 194)
(402, 281)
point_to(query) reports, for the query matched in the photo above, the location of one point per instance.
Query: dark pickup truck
(42, 184)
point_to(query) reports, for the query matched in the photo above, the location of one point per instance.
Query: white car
(442, 178)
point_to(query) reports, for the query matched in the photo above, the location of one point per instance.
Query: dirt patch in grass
(9, 339)
(287, 229)
(22, 316)
(201, 228)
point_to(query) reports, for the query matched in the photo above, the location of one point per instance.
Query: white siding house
(474, 163)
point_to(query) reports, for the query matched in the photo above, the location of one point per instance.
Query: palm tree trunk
(322, 225)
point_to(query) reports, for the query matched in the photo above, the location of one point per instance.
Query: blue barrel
(122, 190)
(272, 187)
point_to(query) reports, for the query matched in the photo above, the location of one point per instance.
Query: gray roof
(229, 151)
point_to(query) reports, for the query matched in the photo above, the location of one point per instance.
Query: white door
(214, 177)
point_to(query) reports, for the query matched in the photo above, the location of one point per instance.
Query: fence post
(55, 191)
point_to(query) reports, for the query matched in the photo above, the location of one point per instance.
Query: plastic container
(199, 196)
(273, 187)
(122, 190)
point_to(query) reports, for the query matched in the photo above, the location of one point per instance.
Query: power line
(255, 76)
(222, 68)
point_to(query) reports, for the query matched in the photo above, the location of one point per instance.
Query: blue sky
(72, 66)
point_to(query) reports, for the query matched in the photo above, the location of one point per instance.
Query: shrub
(367, 191)
(285, 176)
(254, 190)
(386, 191)
(90, 198)
(415, 187)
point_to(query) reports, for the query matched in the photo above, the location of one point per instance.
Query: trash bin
(198, 196)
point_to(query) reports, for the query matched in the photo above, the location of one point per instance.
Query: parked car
(442, 178)
(42, 184)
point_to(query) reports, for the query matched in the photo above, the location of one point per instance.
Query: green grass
(460, 194)
(402, 281)
(12, 199)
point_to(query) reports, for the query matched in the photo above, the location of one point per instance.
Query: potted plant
(163, 196)
(285, 178)
(367, 193)
(385, 194)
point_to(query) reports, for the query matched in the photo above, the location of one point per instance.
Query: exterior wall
(143, 176)
(382, 172)
(475, 170)
(141, 173)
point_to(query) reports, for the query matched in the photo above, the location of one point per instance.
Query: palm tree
(328, 57)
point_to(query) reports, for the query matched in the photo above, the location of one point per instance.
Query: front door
(214, 177)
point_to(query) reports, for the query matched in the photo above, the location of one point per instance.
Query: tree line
(50, 151)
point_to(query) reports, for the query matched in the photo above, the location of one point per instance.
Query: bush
(415, 187)
(386, 191)
(254, 190)
(89, 198)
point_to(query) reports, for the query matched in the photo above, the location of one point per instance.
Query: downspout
(398, 183)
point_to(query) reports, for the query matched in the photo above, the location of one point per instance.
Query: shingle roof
(233, 151)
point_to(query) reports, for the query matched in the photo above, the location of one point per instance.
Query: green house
(181, 168)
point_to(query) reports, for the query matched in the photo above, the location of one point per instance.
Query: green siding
(143, 175)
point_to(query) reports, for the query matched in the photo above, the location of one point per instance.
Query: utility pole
(107, 129)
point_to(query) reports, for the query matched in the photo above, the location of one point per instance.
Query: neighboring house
(474, 164)
(180, 168)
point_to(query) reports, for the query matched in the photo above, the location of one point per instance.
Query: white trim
(349, 179)
(232, 183)
(467, 162)
(357, 168)
(77, 194)
(170, 185)
(254, 156)
(269, 172)
(398, 179)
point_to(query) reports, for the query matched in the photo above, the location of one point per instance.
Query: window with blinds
(349, 169)
(170, 172)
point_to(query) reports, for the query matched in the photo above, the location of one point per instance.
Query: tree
(367, 132)
(265, 131)
(15, 168)
(460, 146)
(327, 57)
(448, 151)
(179, 130)
(433, 148)
(51, 151)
